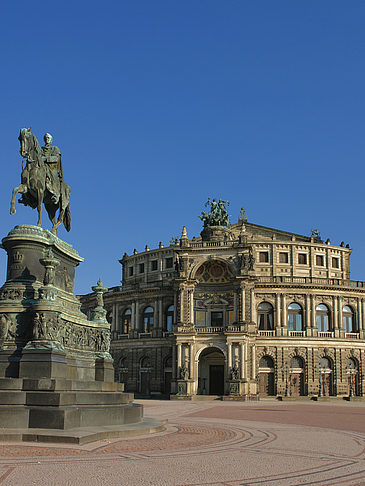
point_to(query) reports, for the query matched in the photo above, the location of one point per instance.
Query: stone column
(114, 318)
(235, 306)
(179, 356)
(137, 316)
(363, 314)
(160, 315)
(335, 313)
(253, 306)
(253, 364)
(245, 361)
(243, 357)
(340, 305)
(358, 322)
(243, 304)
(284, 315)
(306, 316)
(174, 362)
(117, 320)
(175, 308)
(133, 316)
(191, 360)
(277, 322)
(229, 363)
(313, 306)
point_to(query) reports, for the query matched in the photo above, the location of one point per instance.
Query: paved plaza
(209, 443)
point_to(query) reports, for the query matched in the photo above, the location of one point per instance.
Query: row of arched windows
(295, 317)
(146, 322)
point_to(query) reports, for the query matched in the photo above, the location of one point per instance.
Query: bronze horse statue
(33, 187)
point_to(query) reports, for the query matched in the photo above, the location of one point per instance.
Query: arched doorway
(145, 376)
(211, 372)
(325, 377)
(296, 377)
(266, 377)
(352, 377)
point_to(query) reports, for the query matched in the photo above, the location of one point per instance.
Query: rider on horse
(52, 158)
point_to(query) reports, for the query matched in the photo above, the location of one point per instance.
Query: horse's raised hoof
(12, 210)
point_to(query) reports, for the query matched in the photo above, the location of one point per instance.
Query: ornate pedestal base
(55, 368)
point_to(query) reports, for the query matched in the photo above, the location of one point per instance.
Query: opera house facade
(243, 311)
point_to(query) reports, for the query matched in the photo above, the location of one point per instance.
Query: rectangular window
(169, 262)
(335, 262)
(216, 319)
(154, 265)
(320, 260)
(141, 268)
(130, 271)
(302, 258)
(263, 256)
(283, 257)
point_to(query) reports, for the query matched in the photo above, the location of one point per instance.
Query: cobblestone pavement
(209, 444)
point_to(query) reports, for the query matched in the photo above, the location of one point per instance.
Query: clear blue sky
(157, 105)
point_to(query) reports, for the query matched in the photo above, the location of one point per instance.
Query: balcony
(352, 335)
(296, 333)
(266, 333)
(325, 334)
(337, 282)
(209, 330)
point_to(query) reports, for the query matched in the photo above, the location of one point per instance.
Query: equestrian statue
(42, 180)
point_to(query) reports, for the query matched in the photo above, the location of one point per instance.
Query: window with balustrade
(125, 324)
(148, 316)
(295, 317)
(323, 319)
(348, 319)
(265, 316)
(169, 318)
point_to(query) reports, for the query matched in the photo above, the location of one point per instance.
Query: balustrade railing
(296, 333)
(209, 330)
(352, 335)
(266, 333)
(312, 280)
(325, 334)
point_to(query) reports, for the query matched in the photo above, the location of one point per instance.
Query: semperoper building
(242, 311)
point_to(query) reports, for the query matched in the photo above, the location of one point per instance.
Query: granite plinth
(56, 372)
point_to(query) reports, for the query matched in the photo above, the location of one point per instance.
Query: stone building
(242, 310)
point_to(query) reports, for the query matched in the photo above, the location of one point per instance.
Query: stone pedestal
(55, 368)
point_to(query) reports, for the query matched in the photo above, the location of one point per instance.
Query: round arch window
(295, 317)
(265, 314)
(323, 318)
(348, 319)
(148, 315)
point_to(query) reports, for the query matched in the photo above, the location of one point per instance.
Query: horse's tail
(67, 218)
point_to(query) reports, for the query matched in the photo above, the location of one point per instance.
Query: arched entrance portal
(211, 372)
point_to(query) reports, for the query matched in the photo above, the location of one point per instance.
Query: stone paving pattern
(209, 443)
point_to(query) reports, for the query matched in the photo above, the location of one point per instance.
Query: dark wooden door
(167, 384)
(266, 384)
(327, 384)
(296, 384)
(145, 383)
(216, 379)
